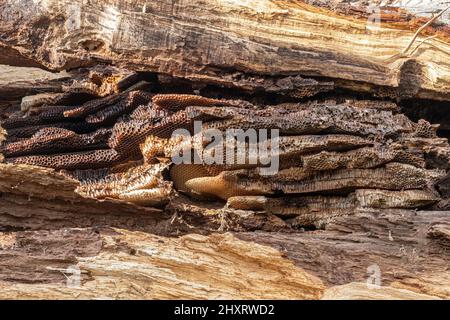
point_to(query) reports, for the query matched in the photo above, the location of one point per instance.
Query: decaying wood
(29, 81)
(354, 236)
(360, 291)
(409, 249)
(123, 264)
(221, 41)
(15, 84)
(130, 233)
(132, 264)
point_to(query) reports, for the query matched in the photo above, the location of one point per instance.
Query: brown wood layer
(219, 41)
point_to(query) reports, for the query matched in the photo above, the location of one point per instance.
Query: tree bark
(51, 237)
(223, 41)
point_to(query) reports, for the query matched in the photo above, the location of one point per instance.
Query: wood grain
(218, 41)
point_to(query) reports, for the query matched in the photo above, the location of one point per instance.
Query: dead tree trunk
(291, 55)
(227, 42)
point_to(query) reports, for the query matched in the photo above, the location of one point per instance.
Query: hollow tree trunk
(294, 49)
(225, 41)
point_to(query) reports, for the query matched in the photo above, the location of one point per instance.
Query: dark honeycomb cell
(71, 161)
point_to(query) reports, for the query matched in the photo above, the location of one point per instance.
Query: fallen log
(231, 43)
(334, 222)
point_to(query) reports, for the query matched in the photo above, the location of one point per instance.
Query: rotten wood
(122, 265)
(295, 49)
(410, 248)
(221, 41)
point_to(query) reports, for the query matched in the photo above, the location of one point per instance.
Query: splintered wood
(295, 150)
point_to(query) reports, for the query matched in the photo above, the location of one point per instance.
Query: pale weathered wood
(31, 78)
(122, 265)
(15, 83)
(255, 46)
(219, 41)
(411, 249)
(362, 291)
